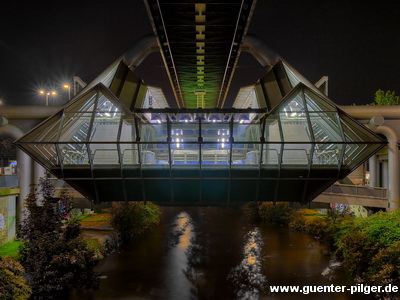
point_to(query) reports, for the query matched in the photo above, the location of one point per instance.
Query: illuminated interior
(103, 149)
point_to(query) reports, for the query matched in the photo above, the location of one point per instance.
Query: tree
(131, 218)
(65, 204)
(55, 260)
(12, 283)
(386, 98)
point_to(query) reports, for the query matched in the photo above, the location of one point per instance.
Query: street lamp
(67, 87)
(47, 94)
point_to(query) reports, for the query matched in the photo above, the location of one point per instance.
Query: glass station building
(110, 146)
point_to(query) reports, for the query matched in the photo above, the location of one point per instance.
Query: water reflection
(194, 249)
(247, 278)
(176, 282)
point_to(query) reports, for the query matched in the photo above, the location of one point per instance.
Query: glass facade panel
(215, 154)
(129, 154)
(292, 77)
(128, 130)
(294, 105)
(106, 106)
(327, 154)
(49, 130)
(272, 131)
(296, 154)
(181, 133)
(316, 103)
(84, 104)
(75, 127)
(49, 152)
(295, 129)
(104, 154)
(325, 127)
(354, 132)
(216, 133)
(188, 154)
(353, 153)
(271, 154)
(105, 127)
(40, 154)
(74, 154)
(246, 132)
(154, 154)
(153, 132)
(245, 154)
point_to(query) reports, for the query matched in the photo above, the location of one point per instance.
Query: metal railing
(358, 190)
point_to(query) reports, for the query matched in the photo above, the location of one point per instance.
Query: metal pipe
(268, 58)
(38, 172)
(370, 111)
(373, 167)
(28, 111)
(133, 57)
(384, 172)
(393, 172)
(142, 48)
(260, 51)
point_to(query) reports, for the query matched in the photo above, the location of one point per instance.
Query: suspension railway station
(283, 139)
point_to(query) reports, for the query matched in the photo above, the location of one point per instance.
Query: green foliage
(10, 249)
(12, 283)
(386, 98)
(369, 247)
(131, 218)
(96, 246)
(278, 213)
(250, 209)
(55, 260)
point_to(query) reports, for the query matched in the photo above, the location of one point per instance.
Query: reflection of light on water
(177, 284)
(184, 221)
(247, 278)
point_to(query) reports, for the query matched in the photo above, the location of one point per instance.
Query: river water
(214, 253)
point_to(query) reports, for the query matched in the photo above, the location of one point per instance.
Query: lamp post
(67, 87)
(47, 94)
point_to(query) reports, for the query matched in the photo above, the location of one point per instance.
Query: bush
(55, 260)
(278, 213)
(131, 218)
(297, 220)
(12, 283)
(369, 248)
(250, 209)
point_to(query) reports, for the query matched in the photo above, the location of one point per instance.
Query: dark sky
(43, 43)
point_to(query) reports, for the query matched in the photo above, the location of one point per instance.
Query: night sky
(45, 43)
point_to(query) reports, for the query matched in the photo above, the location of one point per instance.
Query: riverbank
(369, 248)
(96, 229)
(203, 253)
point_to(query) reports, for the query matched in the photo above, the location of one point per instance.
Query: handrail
(355, 190)
(359, 186)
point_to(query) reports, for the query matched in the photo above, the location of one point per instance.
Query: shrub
(250, 209)
(297, 221)
(55, 260)
(278, 213)
(131, 218)
(12, 283)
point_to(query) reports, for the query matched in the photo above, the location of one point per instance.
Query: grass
(10, 249)
(96, 220)
(95, 245)
(88, 221)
